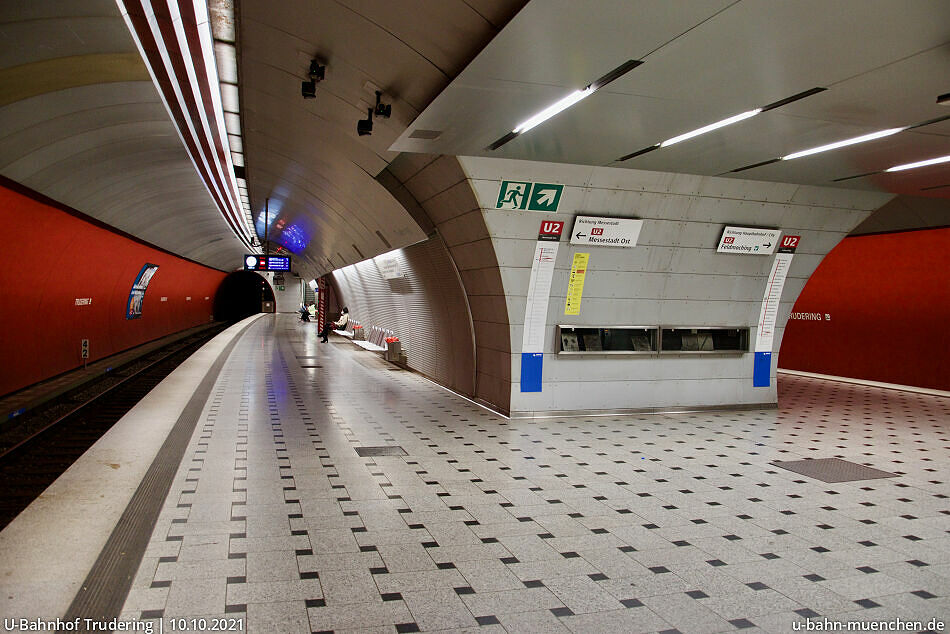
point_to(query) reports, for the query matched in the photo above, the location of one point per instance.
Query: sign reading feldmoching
(606, 232)
(748, 240)
(530, 196)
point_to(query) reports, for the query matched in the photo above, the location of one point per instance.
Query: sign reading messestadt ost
(266, 262)
(606, 232)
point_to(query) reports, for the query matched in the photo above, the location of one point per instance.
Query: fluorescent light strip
(910, 166)
(554, 109)
(566, 102)
(712, 126)
(845, 143)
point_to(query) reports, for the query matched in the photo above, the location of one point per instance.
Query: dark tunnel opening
(241, 295)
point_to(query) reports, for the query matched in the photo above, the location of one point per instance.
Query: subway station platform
(321, 488)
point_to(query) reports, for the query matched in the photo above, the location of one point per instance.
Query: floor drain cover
(833, 470)
(389, 450)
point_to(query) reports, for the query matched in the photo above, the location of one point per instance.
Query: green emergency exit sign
(529, 196)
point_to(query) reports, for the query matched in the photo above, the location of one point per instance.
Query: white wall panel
(425, 308)
(674, 277)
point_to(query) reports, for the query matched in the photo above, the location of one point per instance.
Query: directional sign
(530, 196)
(606, 232)
(545, 197)
(748, 240)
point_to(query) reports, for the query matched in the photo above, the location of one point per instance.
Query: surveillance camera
(365, 126)
(308, 89)
(317, 72)
(382, 109)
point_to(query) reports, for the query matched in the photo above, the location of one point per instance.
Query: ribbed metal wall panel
(426, 308)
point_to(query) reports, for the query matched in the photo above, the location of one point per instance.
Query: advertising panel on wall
(133, 309)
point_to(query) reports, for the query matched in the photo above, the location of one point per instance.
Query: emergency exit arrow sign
(545, 197)
(528, 195)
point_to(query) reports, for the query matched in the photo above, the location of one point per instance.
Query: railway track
(47, 442)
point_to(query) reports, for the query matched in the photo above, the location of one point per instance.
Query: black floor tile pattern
(679, 521)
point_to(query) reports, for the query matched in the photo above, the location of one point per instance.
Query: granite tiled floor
(658, 523)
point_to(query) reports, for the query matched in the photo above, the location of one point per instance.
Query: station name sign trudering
(748, 240)
(266, 262)
(606, 232)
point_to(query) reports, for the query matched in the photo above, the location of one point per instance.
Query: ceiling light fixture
(566, 102)
(553, 109)
(909, 166)
(712, 126)
(846, 142)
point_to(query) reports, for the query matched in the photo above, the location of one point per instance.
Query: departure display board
(266, 263)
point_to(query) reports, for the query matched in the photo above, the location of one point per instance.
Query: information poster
(575, 285)
(768, 314)
(133, 308)
(536, 306)
(539, 292)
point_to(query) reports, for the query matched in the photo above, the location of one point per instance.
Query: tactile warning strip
(107, 585)
(833, 470)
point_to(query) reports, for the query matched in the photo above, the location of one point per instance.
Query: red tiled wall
(888, 296)
(52, 258)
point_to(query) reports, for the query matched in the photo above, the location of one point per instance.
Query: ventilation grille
(425, 134)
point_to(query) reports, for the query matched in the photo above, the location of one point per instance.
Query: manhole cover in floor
(833, 470)
(389, 450)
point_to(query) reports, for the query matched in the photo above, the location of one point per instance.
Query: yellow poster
(575, 286)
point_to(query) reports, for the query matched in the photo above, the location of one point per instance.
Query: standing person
(339, 324)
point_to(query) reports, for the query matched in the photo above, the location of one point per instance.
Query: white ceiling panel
(883, 63)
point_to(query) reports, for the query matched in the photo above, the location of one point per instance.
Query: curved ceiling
(82, 123)
(304, 156)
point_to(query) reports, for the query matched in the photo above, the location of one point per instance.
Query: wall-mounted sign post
(536, 306)
(765, 335)
(575, 285)
(530, 196)
(748, 241)
(84, 352)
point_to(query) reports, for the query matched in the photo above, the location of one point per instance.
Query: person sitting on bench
(339, 324)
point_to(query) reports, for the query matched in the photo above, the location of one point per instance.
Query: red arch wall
(56, 257)
(888, 296)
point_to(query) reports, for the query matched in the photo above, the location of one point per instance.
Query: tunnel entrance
(242, 294)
